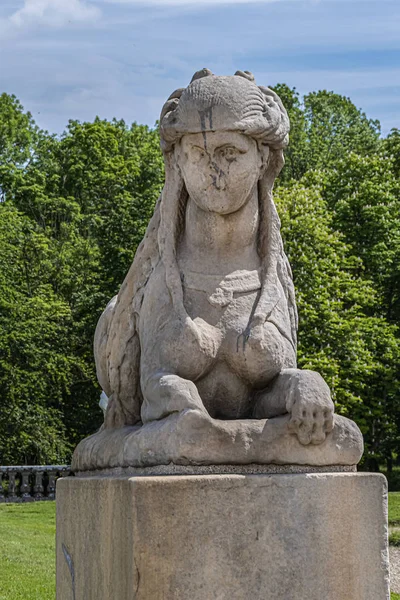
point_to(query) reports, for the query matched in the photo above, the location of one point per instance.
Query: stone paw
(311, 409)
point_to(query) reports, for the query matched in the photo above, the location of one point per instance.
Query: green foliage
(18, 134)
(391, 146)
(296, 155)
(393, 479)
(115, 174)
(364, 195)
(335, 127)
(324, 128)
(34, 370)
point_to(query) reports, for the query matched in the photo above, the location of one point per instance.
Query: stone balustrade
(30, 483)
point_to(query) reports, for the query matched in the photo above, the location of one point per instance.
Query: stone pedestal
(317, 536)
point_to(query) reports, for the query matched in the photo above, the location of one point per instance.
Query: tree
(296, 155)
(37, 361)
(115, 174)
(363, 195)
(324, 128)
(335, 127)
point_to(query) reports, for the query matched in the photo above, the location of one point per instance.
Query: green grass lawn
(394, 508)
(394, 519)
(27, 549)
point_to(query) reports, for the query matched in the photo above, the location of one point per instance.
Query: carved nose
(218, 177)
(218, 181)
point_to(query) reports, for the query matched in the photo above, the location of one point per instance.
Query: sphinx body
(197, 353)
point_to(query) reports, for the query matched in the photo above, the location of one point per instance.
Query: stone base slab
(251, 469)
(223, 537)
(192, 437)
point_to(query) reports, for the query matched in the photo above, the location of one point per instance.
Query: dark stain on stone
(206, 115)
(70, 563)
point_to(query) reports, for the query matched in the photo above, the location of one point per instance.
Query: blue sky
(81, 58)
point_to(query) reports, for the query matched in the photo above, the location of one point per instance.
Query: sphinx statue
(197, 352)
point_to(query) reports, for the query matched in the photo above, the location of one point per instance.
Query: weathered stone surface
(231, 537)
(198, 350)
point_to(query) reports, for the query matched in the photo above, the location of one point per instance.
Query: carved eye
(198, 152)
(229, 152)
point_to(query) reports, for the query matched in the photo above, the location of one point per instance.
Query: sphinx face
(220, 169)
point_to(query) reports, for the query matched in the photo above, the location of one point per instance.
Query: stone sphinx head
(221, 131)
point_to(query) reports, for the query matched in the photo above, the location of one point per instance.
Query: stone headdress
(213, 103)
(209, 103)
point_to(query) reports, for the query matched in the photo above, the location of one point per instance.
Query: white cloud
(53, 13)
